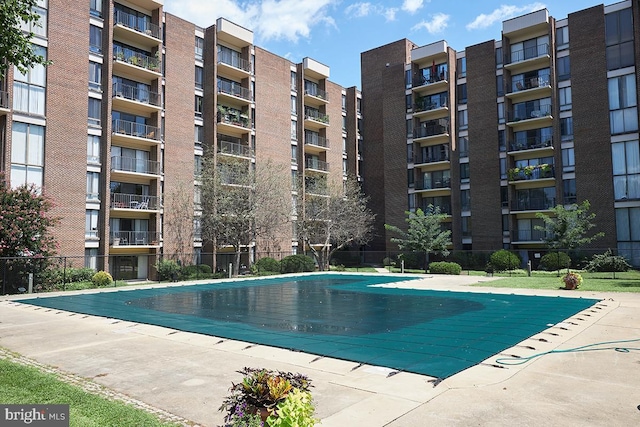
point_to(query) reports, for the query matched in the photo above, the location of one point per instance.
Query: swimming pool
(435, 333)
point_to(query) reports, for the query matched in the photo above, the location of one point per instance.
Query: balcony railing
(440, 157)
(134, 201)
(133, 22)
(432, 129)
(139, 130)
(241, 120)
(428, 105)
(531, 235)
(312, 114)
(432, 184)
(234, 149)
(134, 238)
(424, 80)
(531, 143)
(529, 112)
(234, 61)
(234, 89)
(519, 84)
(533, 204)
(130, 164)
(316, 165)
(318, 93)
(531, 172)
(136, 58)
(528, 53)
(4, 99)
(135, 93)
(444, 208)
(317, 189)
(316, 140)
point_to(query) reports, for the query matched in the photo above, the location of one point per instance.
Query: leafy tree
(328, 223)
(567, 228)
(24, 231)
(424, 233)
(15, 44)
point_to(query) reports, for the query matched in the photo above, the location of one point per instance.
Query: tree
(424, 233)
(178, 224)
(24, 231)
(567, 228)
(328, 223)
(241, 203)
(15, 44)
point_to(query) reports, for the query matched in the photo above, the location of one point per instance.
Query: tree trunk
(426, 262)
(236, 264)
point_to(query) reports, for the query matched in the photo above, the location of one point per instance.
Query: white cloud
(412, 6)
(390, 14)
(500, 14)
(437, 24)
(269, 19)
(359, 10)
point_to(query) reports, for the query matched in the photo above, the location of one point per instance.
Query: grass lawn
(21, 384)
(597, 282)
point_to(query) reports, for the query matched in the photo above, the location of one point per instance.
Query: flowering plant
(242, 417)
(571, 280)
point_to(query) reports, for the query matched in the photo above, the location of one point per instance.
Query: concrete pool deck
(188, 374)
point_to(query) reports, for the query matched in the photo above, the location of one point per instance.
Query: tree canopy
(567, 228)
(15, 42)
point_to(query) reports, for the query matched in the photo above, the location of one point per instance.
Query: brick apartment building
(504, 129)
(114, 130)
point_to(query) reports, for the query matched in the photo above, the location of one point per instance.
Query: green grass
(21, 384)
(597, 282)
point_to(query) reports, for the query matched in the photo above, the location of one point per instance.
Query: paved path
(188, 374)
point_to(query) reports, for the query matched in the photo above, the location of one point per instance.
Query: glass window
(463, 146)
(568, 160)
(199, 77)
(27, 154)
(566, 128)
(294, 80)
(628, 224)
(407, 79)
(93, 149)
(29, 88)
(465, 200)
(199, 134)
(344, 144)
(564, 95)
(503, 168)
(563, 67)
(408, 102)
(95, 76)
(501, 114)
(294, 154)
(464, 172)
(462, 93)
(294, 104)
(95, 112)
(626, 170)
(95, 39)
(622, 103)
(462, 67)
(619, 39)
(91, 224)
(562, 38)
(499, 85)
(463, 119)
(499, 57)
(198, 106)
(91, 258)
(294, 130)
(502, 140)
(409, 128)
(93, 186)
(569, 191)
(344, 102)
(38, 28)
(199, 47)
(95, 8)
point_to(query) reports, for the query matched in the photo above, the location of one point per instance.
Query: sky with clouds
(335, 32)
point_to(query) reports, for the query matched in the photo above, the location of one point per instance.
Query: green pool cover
(435, 333)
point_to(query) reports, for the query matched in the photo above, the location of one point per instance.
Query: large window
(95, 76)
(562, 38)
(463, 146)
(95, 39)
(199, 47)
(619, 39)
(463, 119)
(569, 191)
(95, 112)
(529, 49)
(198, 106)
(566, 128)
(29, 88)
(626, 170)
(462, 93)
(464, 172)
(91, 224)
(623, 104)
(27, 154)
(628, 233)
(563, 68)
(564, 96)
(199, 77)
(93, 149)
(95, 8)
(465, 200)
(199, 135)
(38, 28)
(93, 186)
(462, 67)
(568, 160)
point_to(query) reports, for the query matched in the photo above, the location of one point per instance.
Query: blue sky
(335, 32)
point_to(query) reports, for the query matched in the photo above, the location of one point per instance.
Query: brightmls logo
(34, 415)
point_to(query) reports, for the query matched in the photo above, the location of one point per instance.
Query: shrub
(504, 260)
(297, 264)
(102, 278)
(443, 267)
(340, 267)
(267, 264)
(412, 260)
(388, 262)
(167, 269)
(555, 261)
(607, 262)
(204, 268)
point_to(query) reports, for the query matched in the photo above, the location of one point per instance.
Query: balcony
(531, 87)
(130, 27)
(235, 149)
(428, 108)
(135, 201)
(530, 236)
(444, 208)
(134, 238)
(532, 57)
(135, 99)
(531, 143)
(234, 90)
(431, 83)
(316, 165)
(530, 173)
(431, 184)
(434, 129)
(530, 115)
(533, 204)
(431, 158)
(139, 133)
(232, 121)
(232, 65)
(4, 102)
(315, 143)
(315, 96)
(314, 119)
(136, 64)
(132, 165)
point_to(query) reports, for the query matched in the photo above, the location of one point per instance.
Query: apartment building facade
(115, 129)
(502, 130)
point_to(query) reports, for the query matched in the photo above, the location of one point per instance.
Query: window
(504, 196)
(531, 109)
(197, 166)
(91, 258)
(412, 202)
(499, 85)
(409, 128)
(199, 47)
(463, 146)
(411, 178)
(499, 57)
(569, 191)
(503, 168)
(29, 88)
(464, 172)
(462, 93)
(95, 112)
(566, 128)
(198, 106)
(294, 154)
(294, 81)
(501, 115)
(344, 166)
(502, 140)
(344, 102)
(199, 77)
(93, 186)
(628, 233)
(344, 123)
(344, 145)
(91, 224)
(466, 226)
(95, 39)
(95, 8)
(465, 200)
(564, 95)
(626, 170)
(505, 224)
(622, 103)
(463, 119)
(562, 38)
(27, 154)
(568, 160)
(619, 39)
(533, 138)
(93, 149)
(95, 76)
(408, 102)
(38, 28)
(294, 130)
(563, 67)
(199, 134)
(462, 67)
(294, 104)
(527, 230)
